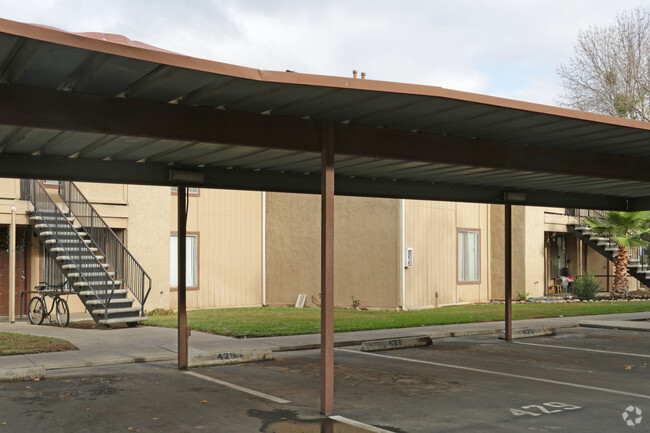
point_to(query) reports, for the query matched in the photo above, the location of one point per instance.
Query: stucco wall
(365, 250)
(534, 283)
(147, 237)
(519, 254)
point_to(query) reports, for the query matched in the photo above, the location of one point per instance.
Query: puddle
(288, 421)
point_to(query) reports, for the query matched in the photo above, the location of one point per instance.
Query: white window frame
(469, 256)
(191, 261)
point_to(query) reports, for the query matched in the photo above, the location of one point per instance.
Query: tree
(610, 72)
(626, 229)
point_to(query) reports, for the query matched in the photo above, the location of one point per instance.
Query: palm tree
(626, 229)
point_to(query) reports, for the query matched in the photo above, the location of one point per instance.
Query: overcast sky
(507, 48)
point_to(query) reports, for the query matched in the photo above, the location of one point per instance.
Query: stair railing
(44, 204)
(636, 254)
(126, 267)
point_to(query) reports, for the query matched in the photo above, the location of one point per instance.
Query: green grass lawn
(18, 344)
(267, 321)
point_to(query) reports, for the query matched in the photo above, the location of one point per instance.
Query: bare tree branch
(610, 71)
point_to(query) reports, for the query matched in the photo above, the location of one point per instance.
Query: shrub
(586, 286)
(522, 295)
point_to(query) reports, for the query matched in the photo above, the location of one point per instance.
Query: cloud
(509, 48)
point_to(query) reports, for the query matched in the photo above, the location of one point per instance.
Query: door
(22, 271)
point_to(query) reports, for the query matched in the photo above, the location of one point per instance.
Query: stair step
(61, 249)
(84, 265)
(116, 310)
(90, 274)
(72, 234)
(80, 256)
(99, 283)
(113, 301)
(102, 292)
(48, 217)
(123, 320)
(46, 233)
(68, 241)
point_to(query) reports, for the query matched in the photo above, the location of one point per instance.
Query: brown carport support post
(182, 307)
(508, 270)
(327, 269)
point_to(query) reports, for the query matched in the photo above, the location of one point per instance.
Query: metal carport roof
(100, 107)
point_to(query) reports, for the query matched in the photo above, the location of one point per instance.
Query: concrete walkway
(149, 344)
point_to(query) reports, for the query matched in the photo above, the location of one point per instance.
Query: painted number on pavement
(395, 343)
(543, 409)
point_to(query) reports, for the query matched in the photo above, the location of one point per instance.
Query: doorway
(22, 268)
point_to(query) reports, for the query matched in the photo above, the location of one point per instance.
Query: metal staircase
(94, 261)
(639, 264)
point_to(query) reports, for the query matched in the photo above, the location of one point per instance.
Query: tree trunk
(620, 273)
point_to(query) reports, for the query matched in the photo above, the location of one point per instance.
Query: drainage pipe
(12, 267)
(264, 248)
(403, 252)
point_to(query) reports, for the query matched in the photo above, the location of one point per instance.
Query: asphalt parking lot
(581, 380)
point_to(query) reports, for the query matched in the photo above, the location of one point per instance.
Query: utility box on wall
(408, 257)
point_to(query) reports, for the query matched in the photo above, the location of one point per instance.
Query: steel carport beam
(327, 269)
(68, 111)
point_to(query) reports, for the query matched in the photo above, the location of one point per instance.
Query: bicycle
(37, 307)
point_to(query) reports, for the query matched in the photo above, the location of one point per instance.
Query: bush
(586, 286)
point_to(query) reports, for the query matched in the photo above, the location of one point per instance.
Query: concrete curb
(613, 326)
(528, 332)
(22, 373)
(361, 341)
(115, 361)
(395, 343)
(229, 357)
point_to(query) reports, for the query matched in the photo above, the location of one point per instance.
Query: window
(191, 261)
(191, 190)
(469, 265)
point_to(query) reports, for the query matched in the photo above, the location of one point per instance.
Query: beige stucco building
(252, 248)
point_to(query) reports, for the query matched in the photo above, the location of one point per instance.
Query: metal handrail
(132, 274)
(636, 254)
(43, 202)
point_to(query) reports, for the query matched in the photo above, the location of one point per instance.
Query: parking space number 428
(543, 409)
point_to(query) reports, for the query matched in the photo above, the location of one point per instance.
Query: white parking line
(584, 350)
(368, 427)
(239, 388)
(498, 373)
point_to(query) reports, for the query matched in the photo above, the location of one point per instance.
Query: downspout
(403, 252)
(12, 267)
(264, 248)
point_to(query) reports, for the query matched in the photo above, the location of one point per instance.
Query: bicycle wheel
(36, 311)
(62, 312)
